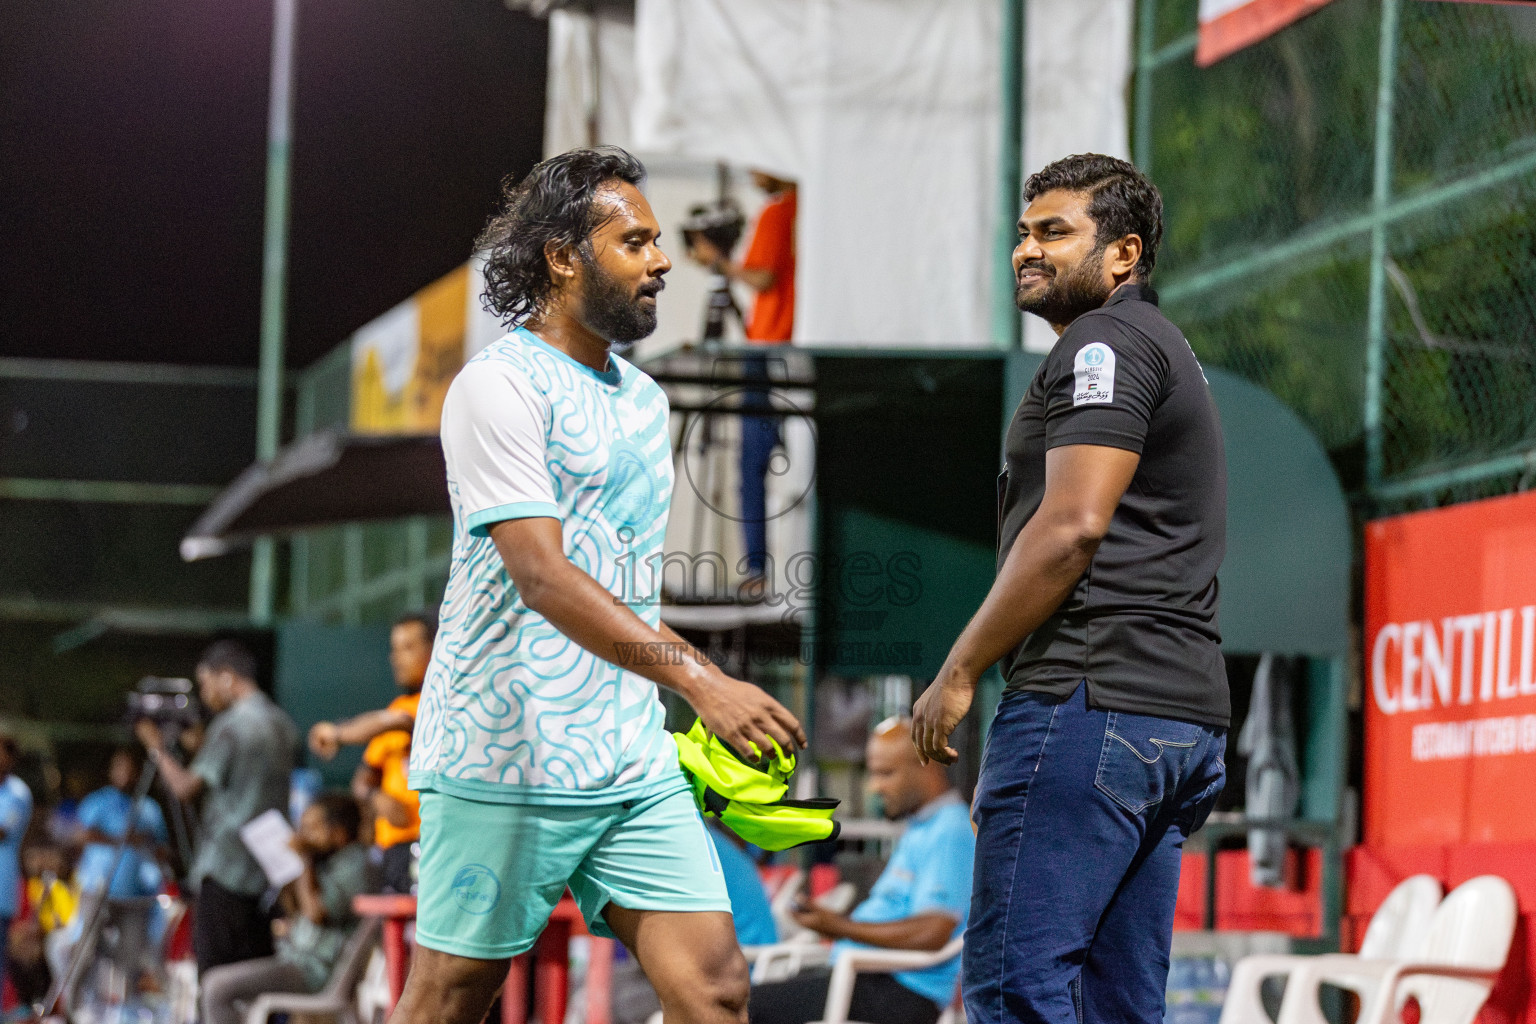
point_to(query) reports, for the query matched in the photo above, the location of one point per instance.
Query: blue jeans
(759, 436)
(1081, 816)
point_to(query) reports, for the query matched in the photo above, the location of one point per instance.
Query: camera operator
(769, 270)
(769, 265)
(241, 770)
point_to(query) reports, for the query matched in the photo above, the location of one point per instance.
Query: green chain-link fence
(1349, 223)
(361, 572)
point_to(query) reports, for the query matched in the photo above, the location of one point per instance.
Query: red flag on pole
(1227, 26)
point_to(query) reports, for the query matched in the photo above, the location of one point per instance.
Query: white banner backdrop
(884, 112)
(591, 80)
(1077, 78)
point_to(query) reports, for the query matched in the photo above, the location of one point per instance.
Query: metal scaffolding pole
(1146, 27)
(1007, 325)
(274, 279)
(1381, 198)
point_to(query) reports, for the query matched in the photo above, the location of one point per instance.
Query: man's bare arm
(927, 932)
(584, 610)
(1083, 486)
(326, 738)
(759, 279)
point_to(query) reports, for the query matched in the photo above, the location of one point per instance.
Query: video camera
(719, 223)
(169, 703)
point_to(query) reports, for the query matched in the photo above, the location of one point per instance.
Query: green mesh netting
(1267, 162)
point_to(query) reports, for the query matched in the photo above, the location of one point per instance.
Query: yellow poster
(403, 361)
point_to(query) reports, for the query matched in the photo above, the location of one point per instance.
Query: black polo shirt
(1140, 626)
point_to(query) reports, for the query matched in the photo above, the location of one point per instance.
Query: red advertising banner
(1450, 696)
(1227, 26)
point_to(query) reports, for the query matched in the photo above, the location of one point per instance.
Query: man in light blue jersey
(920, 902)
(540, 750)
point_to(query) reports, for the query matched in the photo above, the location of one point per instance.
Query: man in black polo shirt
(1106, 752)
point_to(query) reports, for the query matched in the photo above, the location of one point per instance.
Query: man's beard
(1068, 296)
(612, 311)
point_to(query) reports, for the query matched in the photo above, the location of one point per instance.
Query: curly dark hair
(1121, 200)
(554, 203)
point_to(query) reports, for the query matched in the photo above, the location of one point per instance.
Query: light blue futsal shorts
(490, 873)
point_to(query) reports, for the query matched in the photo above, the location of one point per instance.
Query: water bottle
(303, 787)
(1197, 986)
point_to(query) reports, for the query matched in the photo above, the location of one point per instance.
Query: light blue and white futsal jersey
(513, 711)
(541, 764)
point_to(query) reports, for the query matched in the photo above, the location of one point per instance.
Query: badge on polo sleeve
(1093, 372)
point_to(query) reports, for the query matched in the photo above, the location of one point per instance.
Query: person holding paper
(241, 771)
(319, 918)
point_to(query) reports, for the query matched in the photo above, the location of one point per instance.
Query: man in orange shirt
(768, 269)
(380, 779)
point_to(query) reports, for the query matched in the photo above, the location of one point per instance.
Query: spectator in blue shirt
(920, 901)
(749, 900)
(105, 818)
(105, 821)
(15, 815)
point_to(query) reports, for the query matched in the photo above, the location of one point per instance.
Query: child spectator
(51, 905)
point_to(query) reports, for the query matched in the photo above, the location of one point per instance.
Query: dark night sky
(132, 160)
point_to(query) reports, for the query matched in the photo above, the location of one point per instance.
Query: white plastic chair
(372, 996)
(801, 947)
(783, 960)
(1397, 931)
(854, 962)
(1465, 948)
(782, 899)
(337, 998)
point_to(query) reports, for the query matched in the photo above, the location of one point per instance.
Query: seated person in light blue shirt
(920, 901)
(749, 900)
(105, 817)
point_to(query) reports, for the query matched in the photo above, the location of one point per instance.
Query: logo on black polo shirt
(1093, 372)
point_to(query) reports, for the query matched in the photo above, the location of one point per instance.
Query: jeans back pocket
(1144, 758)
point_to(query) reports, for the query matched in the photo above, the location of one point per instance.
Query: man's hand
(391, 810)
(818, 919)
(365, 781)
(149, 735)
(323, 740)
(938, 711)
(746, 717)
(706, 253)
(297, 844)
